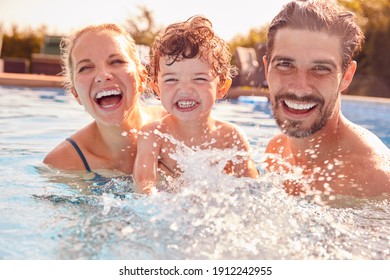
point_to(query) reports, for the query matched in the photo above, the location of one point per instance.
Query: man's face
(305, 79)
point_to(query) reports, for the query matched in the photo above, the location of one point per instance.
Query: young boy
(189, 69)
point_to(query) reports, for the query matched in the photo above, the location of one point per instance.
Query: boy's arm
(146, 161)
(244, 167)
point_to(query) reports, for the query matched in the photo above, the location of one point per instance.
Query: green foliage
(254, 36)
(373, 74)
(22, 43)
(143, 27)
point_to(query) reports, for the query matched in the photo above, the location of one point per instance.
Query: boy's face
(187, 88)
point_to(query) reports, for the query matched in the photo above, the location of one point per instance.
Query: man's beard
(293, 128)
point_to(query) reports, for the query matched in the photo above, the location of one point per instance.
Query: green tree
(143, 27)
(22, 43)
(373, 73)
(250, 40)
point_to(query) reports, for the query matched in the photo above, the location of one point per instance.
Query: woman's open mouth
(109, 98)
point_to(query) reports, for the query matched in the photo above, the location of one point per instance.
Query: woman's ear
(155, 89)
(222, 90)
(76, 95)
(142, 79)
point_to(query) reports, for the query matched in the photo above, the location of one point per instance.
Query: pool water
(47, 214)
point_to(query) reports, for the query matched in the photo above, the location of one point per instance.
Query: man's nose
(301, 83)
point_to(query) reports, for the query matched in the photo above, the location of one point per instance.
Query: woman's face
(105, 78)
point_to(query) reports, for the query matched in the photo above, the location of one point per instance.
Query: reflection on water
(47, 214)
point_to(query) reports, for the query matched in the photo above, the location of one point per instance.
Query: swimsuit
(77, 148)
(99, 182)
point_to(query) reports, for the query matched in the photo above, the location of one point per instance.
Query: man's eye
(321, 70)
(283, 64)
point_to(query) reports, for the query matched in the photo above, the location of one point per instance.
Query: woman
(103, 72)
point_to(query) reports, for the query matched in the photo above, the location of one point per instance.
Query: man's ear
(348, 76)
(265, 67)
(76, 95)
(222, 90)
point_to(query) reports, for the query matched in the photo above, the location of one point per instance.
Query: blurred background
(30, 33)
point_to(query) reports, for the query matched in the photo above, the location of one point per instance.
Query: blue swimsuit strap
(74, 144)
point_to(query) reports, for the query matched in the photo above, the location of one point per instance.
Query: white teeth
(299, 106)
(185, 104)
(107, 93)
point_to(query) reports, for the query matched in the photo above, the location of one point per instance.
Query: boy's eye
(201, 79)
(170, 80)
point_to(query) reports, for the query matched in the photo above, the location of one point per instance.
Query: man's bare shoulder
(276, 144)
(365, 142)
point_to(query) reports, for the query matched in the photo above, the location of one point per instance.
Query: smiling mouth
(186, 104)
(108, 98)
(298, 107)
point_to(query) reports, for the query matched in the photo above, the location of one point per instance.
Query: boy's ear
(222, 90)
(76, 95)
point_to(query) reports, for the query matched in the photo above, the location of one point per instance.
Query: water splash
(217, 216)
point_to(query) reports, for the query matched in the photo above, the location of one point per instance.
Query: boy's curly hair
(193, 38)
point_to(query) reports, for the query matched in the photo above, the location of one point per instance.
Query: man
(308, 64)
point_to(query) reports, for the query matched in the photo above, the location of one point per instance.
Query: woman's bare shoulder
(64, 155)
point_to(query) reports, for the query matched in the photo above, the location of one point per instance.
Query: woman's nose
(103, 75)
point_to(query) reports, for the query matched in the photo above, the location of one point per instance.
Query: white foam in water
(217, 216)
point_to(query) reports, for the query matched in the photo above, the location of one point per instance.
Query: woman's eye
(118, 61)
(84, 68)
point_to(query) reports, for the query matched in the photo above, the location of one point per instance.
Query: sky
(229, 17)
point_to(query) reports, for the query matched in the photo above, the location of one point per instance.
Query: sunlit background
(230, 17)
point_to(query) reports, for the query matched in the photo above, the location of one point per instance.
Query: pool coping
(30, 80)
(41, 80)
